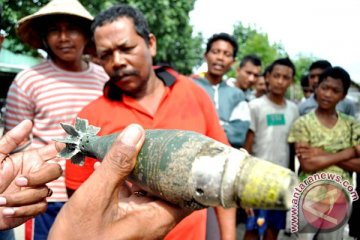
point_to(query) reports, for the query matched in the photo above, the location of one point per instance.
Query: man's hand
(23, 177)
(104, 207)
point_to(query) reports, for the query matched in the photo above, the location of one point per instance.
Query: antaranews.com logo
(321, 201)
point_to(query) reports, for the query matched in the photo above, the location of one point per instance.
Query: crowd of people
(57, 199)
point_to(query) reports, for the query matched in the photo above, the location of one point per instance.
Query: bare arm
(227, 222)
(249, 141)
(237, 125)
(292, 157)
(314, 159)
(354, 163)
(350, 165)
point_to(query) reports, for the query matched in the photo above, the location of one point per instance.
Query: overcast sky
(327, 29)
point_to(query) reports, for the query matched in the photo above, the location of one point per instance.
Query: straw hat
(28, 27)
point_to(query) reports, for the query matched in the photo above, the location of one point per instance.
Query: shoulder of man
(348, 102)
(189, 81)
(34, 70)
(307, 105)
(346, 117)
(236, 91)
(258, 101)
(308, 117)
(257, 104)
(292, 104)
(170, 76)
(347, 106)
(91, 109)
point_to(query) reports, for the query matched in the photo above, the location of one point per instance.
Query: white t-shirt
(271, 124)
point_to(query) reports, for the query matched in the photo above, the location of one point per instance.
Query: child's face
(329, 92)
(280, 79)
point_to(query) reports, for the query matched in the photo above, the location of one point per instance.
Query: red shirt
(184, 106)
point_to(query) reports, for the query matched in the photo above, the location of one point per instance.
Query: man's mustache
(123, 73)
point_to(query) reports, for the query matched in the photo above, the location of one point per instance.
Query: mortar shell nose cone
(265, 185)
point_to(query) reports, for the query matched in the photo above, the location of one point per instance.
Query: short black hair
(282, 61)
(266, 71)
(339, 74)
(121, 10)
(254, 59)
(322, 64)
(304, 81)
(225, 37)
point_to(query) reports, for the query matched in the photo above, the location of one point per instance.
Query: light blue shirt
(345, 106)
(232, 109)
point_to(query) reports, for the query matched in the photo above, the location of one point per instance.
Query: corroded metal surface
(191, 170)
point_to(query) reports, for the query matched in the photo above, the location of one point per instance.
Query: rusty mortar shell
(191, 170)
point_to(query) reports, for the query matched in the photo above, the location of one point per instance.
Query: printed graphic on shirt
(276, 119)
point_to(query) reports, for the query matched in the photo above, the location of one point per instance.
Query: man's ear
(90, 48)
(205, 56)
(343, 97)
(237, 70)
(233, 61)
(267, 75)
(152, 44)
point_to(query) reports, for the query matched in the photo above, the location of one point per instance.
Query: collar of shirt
(166, 74)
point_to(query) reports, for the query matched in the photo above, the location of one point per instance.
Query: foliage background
(169, 20)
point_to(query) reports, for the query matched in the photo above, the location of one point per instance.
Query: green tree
(12, 12)
(302, 63)
(168, 20)
(252, 41)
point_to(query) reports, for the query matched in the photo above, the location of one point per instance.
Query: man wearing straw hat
(55, 90)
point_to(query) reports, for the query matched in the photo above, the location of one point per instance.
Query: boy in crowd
(305, 87)
(315, 70)
(246, 75)
(221, 50)
(326, 139)
(54, 91)
(260, 87)
(271, 118)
